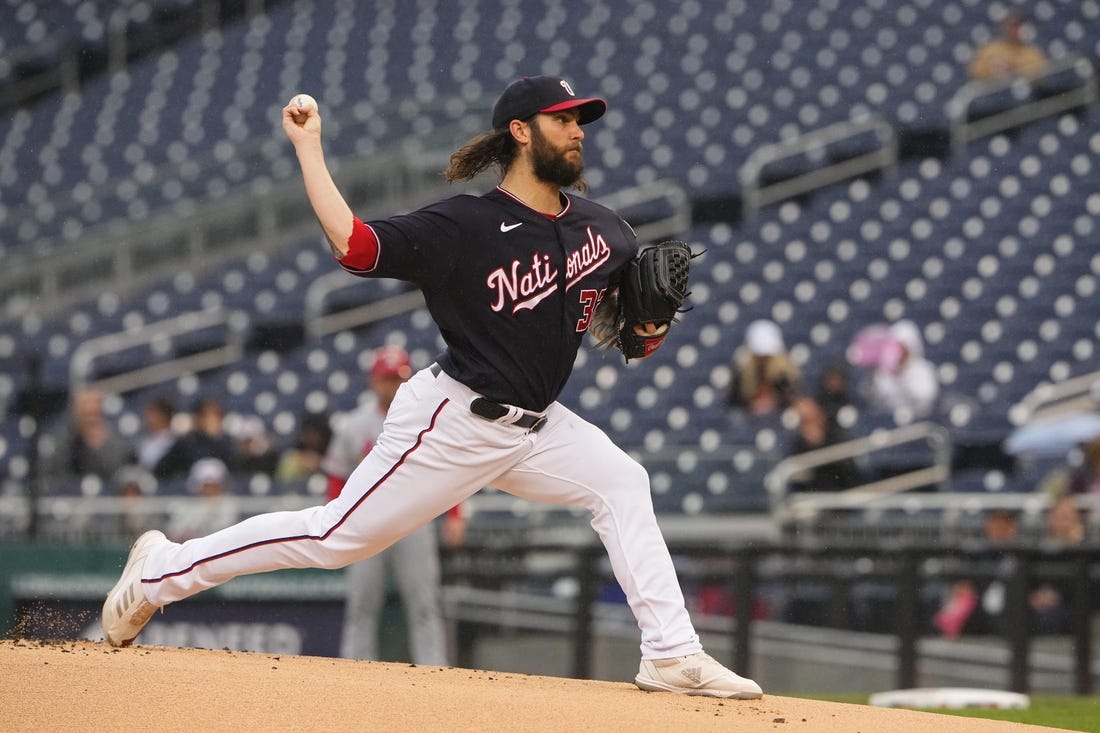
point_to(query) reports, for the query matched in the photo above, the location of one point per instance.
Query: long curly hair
(496, 148)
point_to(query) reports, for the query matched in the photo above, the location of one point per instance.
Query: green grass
(1071, 713)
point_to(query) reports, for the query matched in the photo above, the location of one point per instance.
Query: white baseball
(304, 101)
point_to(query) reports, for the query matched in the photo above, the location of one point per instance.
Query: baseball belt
(486, 409)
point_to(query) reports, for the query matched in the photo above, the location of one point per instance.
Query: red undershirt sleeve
(334, 487)
(362, 255)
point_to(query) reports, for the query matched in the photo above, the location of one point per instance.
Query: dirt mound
(89, 686)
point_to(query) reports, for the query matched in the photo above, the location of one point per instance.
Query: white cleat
(695, 674)
(126, 610)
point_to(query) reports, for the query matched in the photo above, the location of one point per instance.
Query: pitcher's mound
(87, 686)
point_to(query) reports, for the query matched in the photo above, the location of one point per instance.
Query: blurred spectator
(159, 449)
(1002, 527)
(253, 450)
(133, 484)
(1065, 524)
(304, 458)
(765, 380)
(976, 607)
(413, 562)
(979, 607)
(815, 431)
(1065, 528)
(1008, 55)
(86, 444)
(1071, 479)
(207, 437)
(900, 378)
(833, 390)
(212, 507)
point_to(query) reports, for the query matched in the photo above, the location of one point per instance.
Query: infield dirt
(74, 686)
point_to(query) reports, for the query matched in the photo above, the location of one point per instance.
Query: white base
(950, 698)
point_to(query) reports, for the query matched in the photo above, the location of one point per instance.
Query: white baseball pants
(433, 454)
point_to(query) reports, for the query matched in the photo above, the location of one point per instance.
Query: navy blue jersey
(511, 289)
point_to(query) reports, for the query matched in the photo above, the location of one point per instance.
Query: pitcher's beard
(553, 165)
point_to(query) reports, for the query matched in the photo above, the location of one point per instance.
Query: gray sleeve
(344, 452)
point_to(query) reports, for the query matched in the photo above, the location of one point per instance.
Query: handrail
(318, 323)
(572, 527)
(63, 73)
(963, 129)
(69, 55)
(666, 226)
(1047, 401)
(53, 273)
(121, 253)
(84, 356)
(800, 505)
(754, 196)
(943, 501)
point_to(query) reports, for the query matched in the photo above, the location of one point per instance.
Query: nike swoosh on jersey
(509, 227)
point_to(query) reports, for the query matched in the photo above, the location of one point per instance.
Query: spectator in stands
(833, 390)
(1076, 479)
(1065, 528)
(814, 431)
(133, 484)
(207, 437)
(1009, 55)
(765, 380)
(304, 458)
(1065, 525)
(901, 377)
(86, 444)
(213, 507)
(159, 450)
(253, 450)
(973, 606)
(413, 562)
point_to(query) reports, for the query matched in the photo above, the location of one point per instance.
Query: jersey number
(589, 300)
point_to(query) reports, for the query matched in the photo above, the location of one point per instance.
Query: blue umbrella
(1056, 437)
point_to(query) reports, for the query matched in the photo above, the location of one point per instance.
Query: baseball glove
(652, 291)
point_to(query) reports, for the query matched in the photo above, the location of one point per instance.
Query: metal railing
(480, 598)
(59, 62)
(1053, 400)
(44, 67)
(1027, 108)
(883, 156)
(799, 506)
(670, 222)
(320, 323)
(122, 254)
(230, 349)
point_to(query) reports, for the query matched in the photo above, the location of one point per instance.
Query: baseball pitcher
(514, 279)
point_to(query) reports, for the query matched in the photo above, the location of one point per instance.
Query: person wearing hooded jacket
(904, 378)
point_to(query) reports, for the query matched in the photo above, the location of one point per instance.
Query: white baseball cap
(206, 471)
(764, 338)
